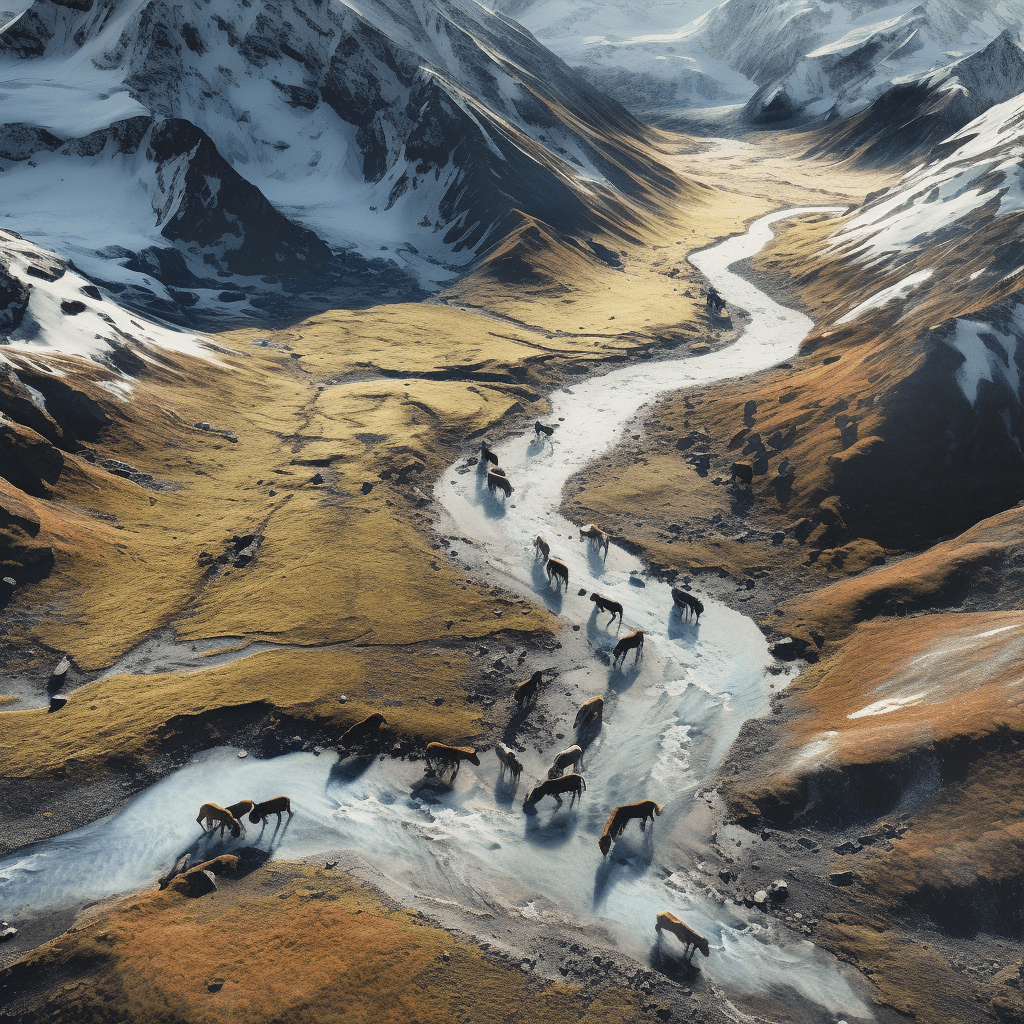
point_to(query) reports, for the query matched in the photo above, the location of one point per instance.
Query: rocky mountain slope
(221, 159)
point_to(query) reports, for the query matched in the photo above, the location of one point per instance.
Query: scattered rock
(58, 677)
(367, 487)
(57, 701)
(848, 847)
(779, 889)
(203, 426)
(581, 592)
(317, 479)
(760, 898)
(841, 878)
(7, 931)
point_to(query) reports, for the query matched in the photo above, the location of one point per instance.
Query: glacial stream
(669, 719)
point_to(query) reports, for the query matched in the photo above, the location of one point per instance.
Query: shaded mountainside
(268, 150)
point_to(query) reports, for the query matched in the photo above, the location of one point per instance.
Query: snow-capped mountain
(782, 58)
(929, 109)
(862, 49)
(217, 158)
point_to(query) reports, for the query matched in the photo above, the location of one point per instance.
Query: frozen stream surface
(668, 721)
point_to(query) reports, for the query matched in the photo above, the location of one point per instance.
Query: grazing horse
(570, 783)
(240, 809)
(570, 756)
(486, 455)
(622, 816)
(217, 815)
(597, 537)
(496, 481)
(362, 731)
(447, 755)
(686, 935)
(508, 759)
(744, 471)
(589, 710)
(686, 603)
(628, 643)
(526, 693)
(542, 546)
(275, 805)
(541, 428)
(559, 569)
(606, 604)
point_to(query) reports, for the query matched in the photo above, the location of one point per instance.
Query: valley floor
(300, 532)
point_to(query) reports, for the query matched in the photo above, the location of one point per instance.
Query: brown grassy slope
(335, 565)
(286, 942)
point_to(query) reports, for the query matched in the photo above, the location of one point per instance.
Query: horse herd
(559, 782)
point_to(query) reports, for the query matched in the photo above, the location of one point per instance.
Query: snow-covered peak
(238, 153)
(807, 57)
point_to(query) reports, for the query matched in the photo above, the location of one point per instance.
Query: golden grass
(123, 716)
(912, 977)
(292, 943)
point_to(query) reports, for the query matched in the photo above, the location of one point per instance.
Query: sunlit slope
(900, 422)
(283, 942)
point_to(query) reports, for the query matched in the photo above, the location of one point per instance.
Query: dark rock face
(253, 236)
(13, 302)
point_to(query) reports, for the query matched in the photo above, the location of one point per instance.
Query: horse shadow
(680, 627)
(280, 828)
(620, 678)
(556, 831)
(677, 968)
(595, 559)
(552, 598)
(535, 447)
(505, 788)
(625, 858)
(346, 770)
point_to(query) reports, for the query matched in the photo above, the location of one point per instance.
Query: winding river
(668, 722)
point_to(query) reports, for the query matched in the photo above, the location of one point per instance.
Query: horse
(526, 693)
(589, 710)
(541, 428)
(622, 816)
(570, 756)
(744, 471)
(570, 783)
(715, 303)
(275, 805)
(364, 730)
(450, 756)
(690, 939)
(606, 604)
(542, 546)
(559, 569)
(597, 536)
(508, 759)
(217, 815)
(628, 643)
(487, 455)
(686, 603)
(498, 482)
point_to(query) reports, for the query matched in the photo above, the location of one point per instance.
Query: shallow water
(669, 719)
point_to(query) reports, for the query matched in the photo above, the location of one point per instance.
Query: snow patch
(900, 290)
